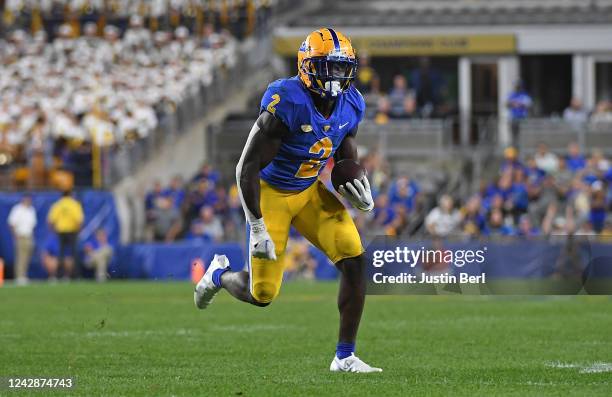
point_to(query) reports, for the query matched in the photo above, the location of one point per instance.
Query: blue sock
(216, 276)
(343, 350)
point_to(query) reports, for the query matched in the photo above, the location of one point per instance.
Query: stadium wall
(519, 258)
(99, 210)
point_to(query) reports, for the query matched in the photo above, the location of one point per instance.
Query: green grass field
(147, 339)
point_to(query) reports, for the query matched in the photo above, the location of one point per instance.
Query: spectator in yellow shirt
(66, 218)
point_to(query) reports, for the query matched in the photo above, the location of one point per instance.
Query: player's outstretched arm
(260, 148)
(357, 193)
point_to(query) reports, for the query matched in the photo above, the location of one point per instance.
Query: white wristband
(257, 226)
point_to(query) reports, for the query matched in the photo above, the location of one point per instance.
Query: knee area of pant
(264, 292)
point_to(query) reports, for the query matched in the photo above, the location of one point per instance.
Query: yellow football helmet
(326, 62)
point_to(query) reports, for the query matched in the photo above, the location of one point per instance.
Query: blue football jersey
(312, 138)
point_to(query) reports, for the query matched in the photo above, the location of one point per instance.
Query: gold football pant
(318, 215)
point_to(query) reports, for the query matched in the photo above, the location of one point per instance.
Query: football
(346, 171)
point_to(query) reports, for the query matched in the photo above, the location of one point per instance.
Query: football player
(303, 121)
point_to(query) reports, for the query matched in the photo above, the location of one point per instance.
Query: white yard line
(132, 333)
(178, 332)
(588, 368)
(597, 368)
(558, 364)
(251, 328)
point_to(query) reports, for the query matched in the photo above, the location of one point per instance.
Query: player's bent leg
(219, 276)
(261, 284)
(261, 293)
(237, 284)
(264, 292)
(258, 287)
(266, 277)
(207, 288)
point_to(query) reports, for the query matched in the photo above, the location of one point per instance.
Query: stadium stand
(241, 18)
(107, 88)
(459, 12)
(98, 99)
(113, 86)
(105, 100)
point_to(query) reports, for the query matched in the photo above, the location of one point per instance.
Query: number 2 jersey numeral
(272, 105)
(310, 168)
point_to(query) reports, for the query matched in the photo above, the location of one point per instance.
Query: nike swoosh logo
(343, 125)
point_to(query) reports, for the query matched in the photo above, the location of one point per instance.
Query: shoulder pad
(283, 98)
(354, 97)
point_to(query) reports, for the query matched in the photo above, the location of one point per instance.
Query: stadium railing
(396, 140)
(557, 134)
(399, 138)
(461, 12)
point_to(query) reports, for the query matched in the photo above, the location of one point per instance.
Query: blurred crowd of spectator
(422, 92)
(428, 90)
(520, 104)
(578, 116)
(397, 198)
(78, 75)
(240, 17)
(201, 208)
(208, 208)
(536, 195)
(59, 99)
(540, 195)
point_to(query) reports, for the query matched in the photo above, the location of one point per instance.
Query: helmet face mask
(326, 63)
(324, 72)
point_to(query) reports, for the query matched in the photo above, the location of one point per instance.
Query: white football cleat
(351, 364)
(206, 290)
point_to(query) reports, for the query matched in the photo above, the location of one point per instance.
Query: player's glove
(358, 194)
(262, 245)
